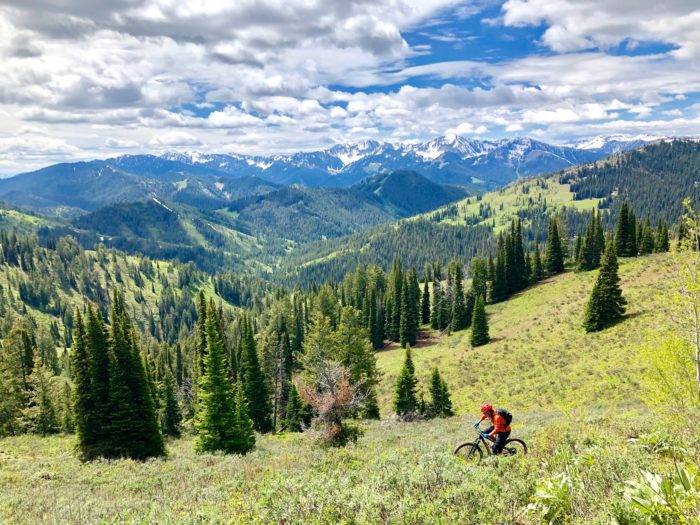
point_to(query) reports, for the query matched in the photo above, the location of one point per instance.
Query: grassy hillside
(397, 473)
(654, 180)
(576, 401)
(540, 357)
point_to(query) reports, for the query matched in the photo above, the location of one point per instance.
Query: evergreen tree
(41, 416)
(592, 244)
(172, 417)
(413, 305)
(294, 417)
(67, 414)
(179, 366)
(255, 385)
(216, 418)
(99, 393)
(133, 425)
(394, 295)
(459, 320)
(606, 304)
(441, 404)
(537, 269)
(520, 280)
(436, 306)
(479, 272)
(499, 284)
(626, 232)
(425, 304)
(661, 243)
(86, 417)
(244, 437)
(554, 257)
(480, 327)
(201, 331)
(646, 242)
(405, 400)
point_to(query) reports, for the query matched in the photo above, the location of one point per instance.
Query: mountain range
(451, 159)
(212, 181)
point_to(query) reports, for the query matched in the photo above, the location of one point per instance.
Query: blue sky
(82, 79)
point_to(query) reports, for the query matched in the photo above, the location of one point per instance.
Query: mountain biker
(499, 430)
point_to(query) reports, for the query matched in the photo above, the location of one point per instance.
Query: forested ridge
(128, 353)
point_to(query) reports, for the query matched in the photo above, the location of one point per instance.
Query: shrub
(334, 398)
(553, 499)
(665, 499)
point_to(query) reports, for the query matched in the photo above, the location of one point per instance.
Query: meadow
(576, 398)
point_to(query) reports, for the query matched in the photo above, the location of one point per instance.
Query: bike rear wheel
(469, 452)
(515, 447)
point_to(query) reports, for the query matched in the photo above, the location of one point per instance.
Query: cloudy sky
(94, 78)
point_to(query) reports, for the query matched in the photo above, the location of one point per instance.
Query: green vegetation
(606, 304)
(398, 472)
(234, 365)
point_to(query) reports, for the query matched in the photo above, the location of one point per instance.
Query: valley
(277, 287)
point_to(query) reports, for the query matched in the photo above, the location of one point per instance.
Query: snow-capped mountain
(615, 143)
(453, 159)
(204, 179)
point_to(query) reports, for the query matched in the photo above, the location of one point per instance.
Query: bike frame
(485, 442)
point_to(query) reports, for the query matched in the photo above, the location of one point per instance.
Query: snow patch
(161, 204)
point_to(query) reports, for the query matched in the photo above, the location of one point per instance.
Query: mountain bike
(473, 452)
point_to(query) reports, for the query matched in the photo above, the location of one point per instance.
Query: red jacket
(498, 422)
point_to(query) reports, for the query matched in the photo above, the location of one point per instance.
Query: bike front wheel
(469, 452)
(515, 447)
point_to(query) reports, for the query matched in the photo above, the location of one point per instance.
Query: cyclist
(499, 430)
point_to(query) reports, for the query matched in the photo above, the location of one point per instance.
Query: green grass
(575, 398)
(506, 202)
(396, 473)
(540, 356)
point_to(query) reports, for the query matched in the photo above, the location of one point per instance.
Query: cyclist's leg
(500, 442)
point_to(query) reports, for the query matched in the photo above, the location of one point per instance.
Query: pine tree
(425, 304)
(459, 319)
(67, 414)
(592, 245)
(133, 424)
(520, 279)
(395, 293)
(661, 243)
(172, 416)
(99, 384)
(554, 257)
(606, 304)
(480, 327)
(479, 272)
(201, 342)
(499, 285)
(86, 417)
(244, 436)
(255, 385)
(626, 232)
(436, 306)
(179, 366)
(405, 318)
(537, 269)
(646, 244)
(441, 404)
(632, 233)
(413, 305)
(216, 421)
(41, 415)
(405, 400)
(293, 418)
